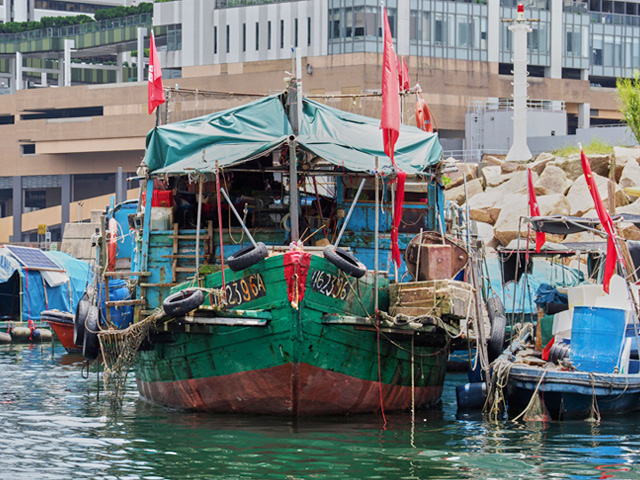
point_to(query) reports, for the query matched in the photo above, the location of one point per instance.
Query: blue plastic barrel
(121, 317)
(471, 395)
(597, 336)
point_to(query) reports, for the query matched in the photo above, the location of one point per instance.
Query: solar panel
(33, 258)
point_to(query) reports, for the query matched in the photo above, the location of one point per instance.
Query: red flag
(156, 91)
(405, 76)
(534, 211)
(397, 216)
(605, 220)
(390, 113)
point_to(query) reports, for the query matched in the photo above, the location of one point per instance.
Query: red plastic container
(161, 198)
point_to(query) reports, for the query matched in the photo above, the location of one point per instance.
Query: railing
(244, 3)
(472, 155)
(575, 7)
(615, 18)
(80, 29)
(507, 104)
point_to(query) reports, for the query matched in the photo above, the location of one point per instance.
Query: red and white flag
(534, 211)
(156, 90)
(605, 220)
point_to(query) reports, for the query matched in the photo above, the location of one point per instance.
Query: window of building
(440, 29)
(228, 39)
(28, 149)
(215, 40)
(257, 36)
(281, 33)
(295, 39)
(174, 37)
(308, 31)
(334, 23)
(269, 35)
(244, 37)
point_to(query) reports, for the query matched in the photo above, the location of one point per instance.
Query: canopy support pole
(353, 204)
(375, 235)
(293, 190)
(244, 227)
(198, 225)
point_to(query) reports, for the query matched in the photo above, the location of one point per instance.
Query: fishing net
(119, 348)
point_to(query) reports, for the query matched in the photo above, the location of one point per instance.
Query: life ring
(182, 302)
(78, 321)
(91, 344)
(247, 256)
(344, 261)
(424, 119)
(112, 244)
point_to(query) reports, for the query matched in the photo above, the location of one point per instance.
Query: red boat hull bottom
(64, 332)
(298, 390)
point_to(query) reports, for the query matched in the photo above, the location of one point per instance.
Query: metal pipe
(293, 190)
(353, 204)
(375, 236)
(198, 224)
(224, 286)
(244, 227)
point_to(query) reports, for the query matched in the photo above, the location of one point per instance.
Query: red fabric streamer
(296, 268)
(397, 216)
(406, 83)
(390, 113)
(155, 90)
(605, 220)
(534, 211)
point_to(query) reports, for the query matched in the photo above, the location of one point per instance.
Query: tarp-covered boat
(292, 330)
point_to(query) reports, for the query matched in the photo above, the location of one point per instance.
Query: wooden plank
(228, 321)
(175, 252)
(121, 303)
(146, 285)
(185, 269)
(127, 274)
(189, 237)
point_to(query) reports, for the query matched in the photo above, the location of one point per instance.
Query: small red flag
(406, 83)
(605, 220)
(390, 113)
(156, 91)
(534, 211)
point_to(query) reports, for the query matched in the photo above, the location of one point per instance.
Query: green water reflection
(57, 429)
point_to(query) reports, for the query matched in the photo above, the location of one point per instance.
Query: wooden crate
(433, 297)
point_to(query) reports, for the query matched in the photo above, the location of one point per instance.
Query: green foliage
(595, 147)
(66, 21)
(629, 101)
(117, 12)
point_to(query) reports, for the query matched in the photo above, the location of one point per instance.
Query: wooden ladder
(176, 256)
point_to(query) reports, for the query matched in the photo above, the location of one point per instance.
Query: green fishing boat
(284, 325)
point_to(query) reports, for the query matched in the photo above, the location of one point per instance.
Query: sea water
(56, 424)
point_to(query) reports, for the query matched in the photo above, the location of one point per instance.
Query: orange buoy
(112, 244)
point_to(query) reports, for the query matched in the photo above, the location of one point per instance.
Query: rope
(532, 399)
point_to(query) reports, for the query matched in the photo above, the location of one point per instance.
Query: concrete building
(64, 145)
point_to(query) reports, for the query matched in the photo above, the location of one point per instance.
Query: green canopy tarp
(246, 132)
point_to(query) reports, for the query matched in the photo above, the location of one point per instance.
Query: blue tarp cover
(64, 297)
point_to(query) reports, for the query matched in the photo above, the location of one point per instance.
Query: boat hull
(308, 359)
(64, 332)
(291, 389)
(572, 395)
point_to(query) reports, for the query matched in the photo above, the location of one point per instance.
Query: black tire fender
(182, 302)
(496, 341)
(247, 256)
(79, 320)
(495, 307)
(91, 344)
(345, 261)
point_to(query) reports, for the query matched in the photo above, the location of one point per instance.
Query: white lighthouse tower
(520, 27)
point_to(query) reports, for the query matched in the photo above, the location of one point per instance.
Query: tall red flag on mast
(156, 91)
(390, 125)
(390, 113)
(605, 220)
(534, 211)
